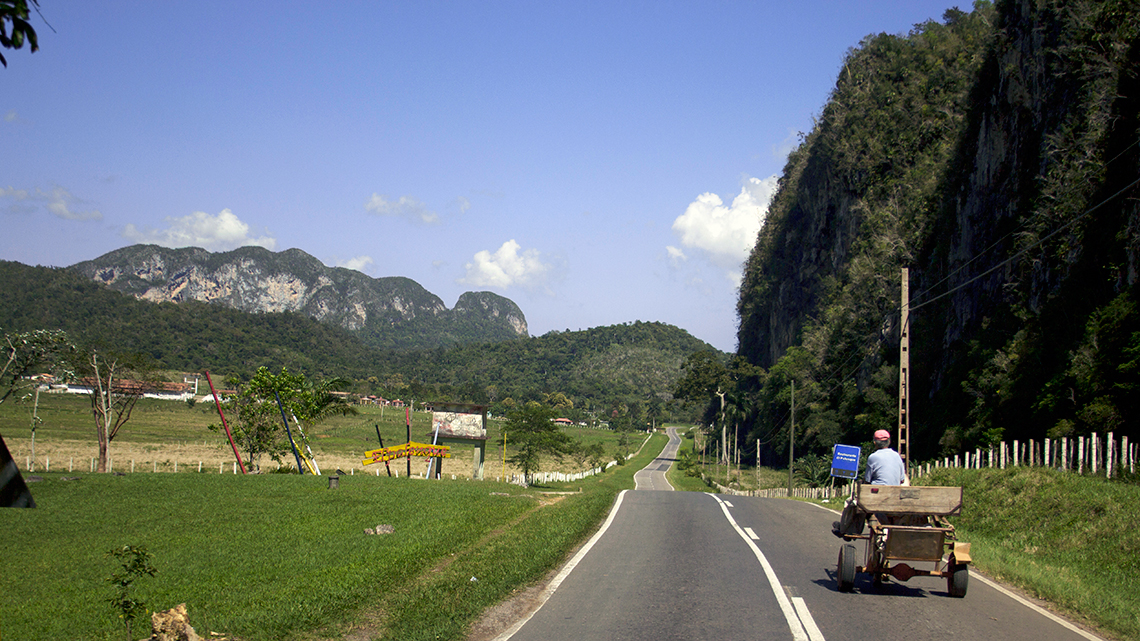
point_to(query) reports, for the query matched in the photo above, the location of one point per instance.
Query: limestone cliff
(389, 312)
(994, 154)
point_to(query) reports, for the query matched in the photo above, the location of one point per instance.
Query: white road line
(1036, 608)
(813, 631)
(565, 571)
(790, 615)
(728, 504)
(751, 534)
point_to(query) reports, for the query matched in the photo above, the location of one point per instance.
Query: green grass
(163, 424)
(283, 557)
(681, 481)
(442, 605)
(1069, 539)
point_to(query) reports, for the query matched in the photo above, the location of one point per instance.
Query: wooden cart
(903, 523)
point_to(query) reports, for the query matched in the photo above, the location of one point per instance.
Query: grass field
(283, 556)
(163, 434)
(1069, 539)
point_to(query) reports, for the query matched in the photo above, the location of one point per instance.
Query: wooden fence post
(1111, 453)
(1093, 458)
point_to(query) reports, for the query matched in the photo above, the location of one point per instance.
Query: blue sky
(597, 163)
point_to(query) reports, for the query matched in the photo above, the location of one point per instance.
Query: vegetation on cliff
(992, 154)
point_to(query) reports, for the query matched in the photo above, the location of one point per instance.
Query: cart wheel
(958, 580)
(846, 573)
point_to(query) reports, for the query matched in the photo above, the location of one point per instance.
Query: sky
(598, 163)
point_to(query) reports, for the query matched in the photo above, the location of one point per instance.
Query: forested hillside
(630, 368)
(389, 313)
(995, 155)
(191, 336)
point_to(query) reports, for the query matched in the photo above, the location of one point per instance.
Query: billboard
(458, 424)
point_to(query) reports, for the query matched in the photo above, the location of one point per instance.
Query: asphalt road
(652, 476)
(687, 565)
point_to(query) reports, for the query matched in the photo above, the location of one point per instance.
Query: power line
(1029, 247)
(1024, 225)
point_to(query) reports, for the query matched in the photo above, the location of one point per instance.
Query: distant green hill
(630, 368)
(190, 336)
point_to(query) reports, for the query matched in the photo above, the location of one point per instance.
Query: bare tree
(113, 396)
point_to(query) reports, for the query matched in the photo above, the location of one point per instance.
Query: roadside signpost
(845, 461)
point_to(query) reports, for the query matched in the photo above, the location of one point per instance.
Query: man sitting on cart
(884, 467)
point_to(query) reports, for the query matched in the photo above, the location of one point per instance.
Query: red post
(224, 424)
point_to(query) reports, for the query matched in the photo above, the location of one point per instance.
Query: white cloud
(463, 203)
(215, 233)
(11, 116)
(358, 263)
(405, 207)
(59, 202)
(507, 268)
(676, 256)
(725, 234)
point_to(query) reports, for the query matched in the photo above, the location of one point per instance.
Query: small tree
(258, 427)
(117, 383)
(532, 431)
(596, 453)
(135, 564)
(24, 352)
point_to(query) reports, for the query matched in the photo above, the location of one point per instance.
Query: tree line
(622, 373)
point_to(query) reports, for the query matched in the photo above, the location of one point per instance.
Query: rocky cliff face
(994, 155)
(254, 279)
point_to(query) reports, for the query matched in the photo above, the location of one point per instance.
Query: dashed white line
(751, 534)
(795, 624)
(812, 629)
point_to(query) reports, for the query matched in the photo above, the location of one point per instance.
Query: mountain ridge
(388, 312)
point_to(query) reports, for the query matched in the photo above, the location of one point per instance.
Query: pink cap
(882, 435)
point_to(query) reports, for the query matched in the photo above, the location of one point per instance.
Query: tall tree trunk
(101, 403)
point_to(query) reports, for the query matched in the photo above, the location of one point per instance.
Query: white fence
(1093, 455)
(782, 492)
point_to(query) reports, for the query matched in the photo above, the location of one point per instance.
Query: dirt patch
(499, 618)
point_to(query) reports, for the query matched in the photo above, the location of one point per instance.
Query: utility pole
(904, 371)
(792, 441)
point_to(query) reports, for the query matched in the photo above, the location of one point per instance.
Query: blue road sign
(845, 461)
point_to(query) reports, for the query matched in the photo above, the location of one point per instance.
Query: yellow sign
(406, 450)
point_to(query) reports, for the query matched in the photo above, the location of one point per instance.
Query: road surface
(652, 476)
(688, 565)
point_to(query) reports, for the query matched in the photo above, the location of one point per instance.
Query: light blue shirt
(885, 467)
